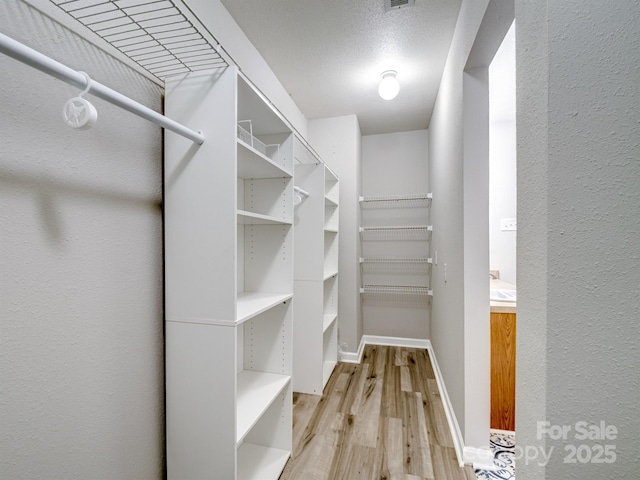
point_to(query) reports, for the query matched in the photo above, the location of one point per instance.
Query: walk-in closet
(301, 239)
(268, 250)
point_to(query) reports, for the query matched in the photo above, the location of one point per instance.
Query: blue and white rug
(503, 446)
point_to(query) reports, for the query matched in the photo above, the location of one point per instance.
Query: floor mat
(503, 447)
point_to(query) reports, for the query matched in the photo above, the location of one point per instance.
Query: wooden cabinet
(228, 209)
(503, 370)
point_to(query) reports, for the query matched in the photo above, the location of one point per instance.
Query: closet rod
(37, 60)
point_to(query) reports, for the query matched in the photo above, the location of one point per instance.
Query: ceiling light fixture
(389, 86)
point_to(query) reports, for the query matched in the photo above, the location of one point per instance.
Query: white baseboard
(480, 458)
(356, 357)
(395, 341)
(454, 428)
(350, 357)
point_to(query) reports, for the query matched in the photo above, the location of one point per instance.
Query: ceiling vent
(398, 4)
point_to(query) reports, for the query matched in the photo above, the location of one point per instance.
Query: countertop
(502, 307)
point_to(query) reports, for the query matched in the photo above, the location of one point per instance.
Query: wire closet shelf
(399, 228)
(397, 289)
(159, 35)
(412, 260)
(411, 200)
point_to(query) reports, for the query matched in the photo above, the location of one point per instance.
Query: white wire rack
(396, 289)
(396, 198)
(247, 137)
(411, 260)
(404, 228)
(156, 34)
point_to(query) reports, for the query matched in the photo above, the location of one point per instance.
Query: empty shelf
(254, 164)
(397, 289)
(147, 33)
(328, 320)
(330, 201)
(396, 198)
(256, 393)
(250, 304)
(256, 462)
(408, 228)
(395, 260)
(251, 218)
(329, 274)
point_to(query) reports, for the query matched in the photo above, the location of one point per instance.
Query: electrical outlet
(508, 224)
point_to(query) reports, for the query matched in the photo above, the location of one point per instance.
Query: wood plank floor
(381, 419)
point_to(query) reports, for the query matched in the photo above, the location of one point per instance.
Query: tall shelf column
(229, 281)
(316, 273)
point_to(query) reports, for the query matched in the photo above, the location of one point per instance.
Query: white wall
(338, 141)
(81, 342)
(579, 225)
(477, 340)
(459, 175)
(446, 156)
(396, 164)
(502, 157)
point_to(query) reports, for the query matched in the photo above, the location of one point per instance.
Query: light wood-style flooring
(381, 419)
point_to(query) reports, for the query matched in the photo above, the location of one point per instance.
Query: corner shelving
(229, 282)
(316, 273)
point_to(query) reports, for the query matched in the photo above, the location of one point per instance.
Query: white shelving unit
(383, 272)
(229, 282)
(316, 273)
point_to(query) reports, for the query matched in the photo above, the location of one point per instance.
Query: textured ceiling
(329, 54)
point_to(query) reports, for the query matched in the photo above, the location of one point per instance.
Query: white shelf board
(330, 201)
(256, 462)
(327, 368)
(329, 274)
(250, 304)
(331, 230)
(327, 320)
(256, 392)
(254, 164)
(250, 218)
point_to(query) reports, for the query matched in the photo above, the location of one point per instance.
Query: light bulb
(389, 86)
